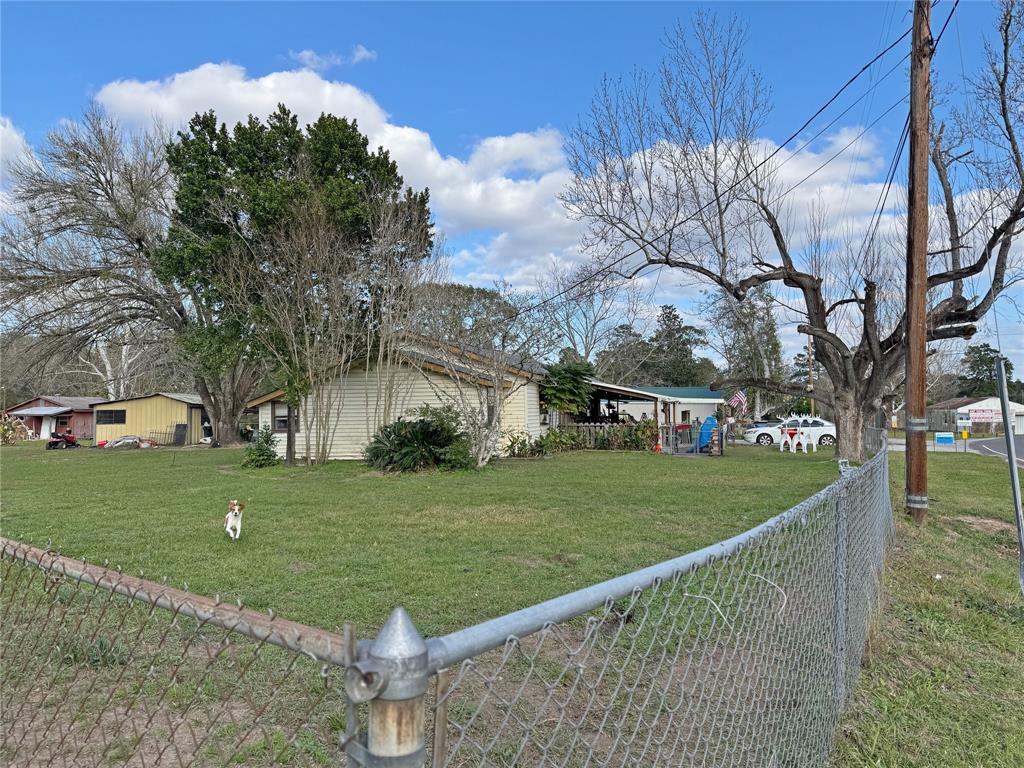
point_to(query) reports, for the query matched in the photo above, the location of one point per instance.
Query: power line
(746, 176)
(879, 209)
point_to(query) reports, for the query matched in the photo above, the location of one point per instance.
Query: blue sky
(477, 96)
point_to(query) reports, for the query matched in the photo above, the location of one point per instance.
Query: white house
(984, 413)
(357, 410)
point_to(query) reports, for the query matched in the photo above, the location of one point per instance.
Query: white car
(820, 431)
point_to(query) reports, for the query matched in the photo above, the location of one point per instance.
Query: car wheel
(764, 439)
(827, 440)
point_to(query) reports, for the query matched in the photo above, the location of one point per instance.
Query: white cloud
(13, 147)
(317, 62)
(507, 185)
(499, 201)
(321, 62)
(361, 53)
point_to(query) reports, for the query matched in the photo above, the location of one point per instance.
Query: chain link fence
(101, 668)
(740, 654)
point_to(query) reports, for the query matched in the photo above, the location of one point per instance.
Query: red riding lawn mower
(61, 440)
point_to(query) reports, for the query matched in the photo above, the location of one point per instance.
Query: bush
(519, 445)
(260, 452)
(435, 439)
(557, 441)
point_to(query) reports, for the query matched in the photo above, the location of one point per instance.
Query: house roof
(956, 402)
(184, 397)
(687, 393)
(962, 402)
(640, 394)
(72, 402)
(41, 410)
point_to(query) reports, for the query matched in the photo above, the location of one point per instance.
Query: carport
(43, 419)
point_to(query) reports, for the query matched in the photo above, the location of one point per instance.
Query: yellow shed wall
(143, 416)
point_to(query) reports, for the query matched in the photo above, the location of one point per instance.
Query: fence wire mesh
(746, 659)
(102, 668)
(743, 654)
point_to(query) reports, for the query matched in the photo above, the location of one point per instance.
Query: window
(817, 423)
(63, 421)
(279, 416)
(110, 417)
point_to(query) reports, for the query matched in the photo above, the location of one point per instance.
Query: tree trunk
(289, 445)
(850, 420)
(223, 408)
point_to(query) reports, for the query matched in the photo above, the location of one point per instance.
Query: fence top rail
(318, 644)
(456, 647)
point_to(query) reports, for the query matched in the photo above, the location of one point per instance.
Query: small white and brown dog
(233, 519)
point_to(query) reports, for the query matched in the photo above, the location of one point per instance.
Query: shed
(170, 418)
(985, 414)
(56, 413)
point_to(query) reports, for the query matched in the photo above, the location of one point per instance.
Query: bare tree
(680, 182)
(485, 343)
(90, 213)
(404, 255)
(301, 292)
(585, 306)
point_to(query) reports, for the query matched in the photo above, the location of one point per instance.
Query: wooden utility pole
(917, 263)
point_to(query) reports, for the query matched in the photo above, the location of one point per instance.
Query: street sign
(945, 438)
(963, 421)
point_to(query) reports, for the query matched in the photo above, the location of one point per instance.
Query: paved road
(996, 446)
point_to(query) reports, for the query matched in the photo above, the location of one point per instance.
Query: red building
(56, 413)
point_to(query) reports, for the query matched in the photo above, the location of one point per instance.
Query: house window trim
(273, 417)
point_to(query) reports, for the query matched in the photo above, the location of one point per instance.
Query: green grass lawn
(943, 685)
(341, 543)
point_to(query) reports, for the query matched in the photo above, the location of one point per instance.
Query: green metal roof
(685, 393)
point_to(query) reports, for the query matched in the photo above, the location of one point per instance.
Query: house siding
(357, 418)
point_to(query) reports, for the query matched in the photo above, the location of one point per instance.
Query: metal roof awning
(631, 393)
(41, 410)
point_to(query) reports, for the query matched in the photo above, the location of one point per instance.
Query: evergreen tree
(978, 372)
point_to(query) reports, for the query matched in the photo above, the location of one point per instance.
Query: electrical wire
(608, 268)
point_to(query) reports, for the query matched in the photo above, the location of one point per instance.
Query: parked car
(820, 431)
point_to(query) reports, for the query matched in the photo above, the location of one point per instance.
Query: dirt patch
(986, 525)
(297, 567)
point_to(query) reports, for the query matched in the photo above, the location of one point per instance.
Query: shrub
(435, 439)
(519, 445)
(557, 441)
(260, 452)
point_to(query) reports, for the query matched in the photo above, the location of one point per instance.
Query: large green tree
(667, 359)
(235, 192)
(978, 371)
(746, 335)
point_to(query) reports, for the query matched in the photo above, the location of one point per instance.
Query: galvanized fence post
(841, 558)
(391, 675)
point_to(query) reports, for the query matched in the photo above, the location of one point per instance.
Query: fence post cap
(400, 648)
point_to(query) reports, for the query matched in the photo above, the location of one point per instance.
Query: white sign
(984, 415)
(963, 420)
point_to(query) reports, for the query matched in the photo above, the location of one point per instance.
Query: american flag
(739, 401)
